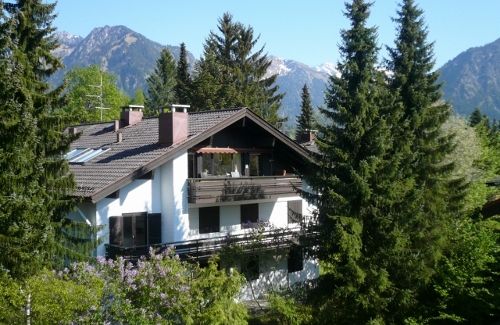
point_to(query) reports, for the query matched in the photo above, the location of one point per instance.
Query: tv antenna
(99, 97)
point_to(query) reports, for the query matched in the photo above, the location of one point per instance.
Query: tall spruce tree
(183, 78)
(161, 84)
(232, 74)
(421, 143)
(38, 183)
(354, 179)
(423, 111)
(305, 120)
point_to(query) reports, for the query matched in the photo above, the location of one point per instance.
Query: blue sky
(306, 31)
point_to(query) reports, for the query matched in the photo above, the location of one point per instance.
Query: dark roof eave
(99, 195)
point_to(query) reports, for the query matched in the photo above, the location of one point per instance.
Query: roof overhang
(193, 141)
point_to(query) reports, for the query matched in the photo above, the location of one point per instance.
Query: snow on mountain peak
(329, 68)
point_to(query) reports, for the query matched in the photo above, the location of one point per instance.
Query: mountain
(117, 49)
(132, 57)
(292, 76)
(472, 79)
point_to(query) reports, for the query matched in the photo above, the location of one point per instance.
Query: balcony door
(134, 230)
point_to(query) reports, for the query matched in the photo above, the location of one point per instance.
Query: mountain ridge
(469, 80)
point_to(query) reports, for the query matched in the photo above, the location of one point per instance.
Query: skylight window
(82, 155)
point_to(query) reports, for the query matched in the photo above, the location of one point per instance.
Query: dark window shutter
(294, 211)
(295, 260)
(116, 231)
(154, 228)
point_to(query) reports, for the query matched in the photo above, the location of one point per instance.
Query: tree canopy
(232, 74)
(161, 83)
(83, 95)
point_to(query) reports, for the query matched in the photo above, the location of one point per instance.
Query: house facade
(200, 183)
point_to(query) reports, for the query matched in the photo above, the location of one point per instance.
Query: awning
(227, 150)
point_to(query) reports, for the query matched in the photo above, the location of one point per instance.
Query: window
(295, 260)
(220, 164)
(294, 211)
(249, 215)
(135, 229)
(209, 220)
(82, 155)
(254, 165)
(250, 268)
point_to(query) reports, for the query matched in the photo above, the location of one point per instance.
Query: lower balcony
(231, 189)
(202, 248)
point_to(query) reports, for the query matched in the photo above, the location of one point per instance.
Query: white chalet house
(197, 182)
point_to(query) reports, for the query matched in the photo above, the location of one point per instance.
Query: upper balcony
(232, 189)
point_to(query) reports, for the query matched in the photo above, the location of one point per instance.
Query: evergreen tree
(422, 110)
(161, 84)
(305, 120)
(37, 205)
(138, 97)
(232, 74)
(357, 232)
(428, 197)
(476, 117)
(184, 82)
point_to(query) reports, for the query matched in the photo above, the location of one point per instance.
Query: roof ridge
(218, 110)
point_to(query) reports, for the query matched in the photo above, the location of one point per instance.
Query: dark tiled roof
(139, 148)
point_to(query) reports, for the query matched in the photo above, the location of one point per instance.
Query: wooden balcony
(232, 189)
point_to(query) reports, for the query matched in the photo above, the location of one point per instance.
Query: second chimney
(131, 114)
(306, 136)
(173, 126)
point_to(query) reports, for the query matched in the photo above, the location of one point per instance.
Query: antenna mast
(99, 96)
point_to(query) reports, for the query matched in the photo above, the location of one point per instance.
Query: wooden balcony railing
(221, 189)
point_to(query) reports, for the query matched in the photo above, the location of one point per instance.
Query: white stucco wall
(274, 276)
(173, 196)
(142, 195)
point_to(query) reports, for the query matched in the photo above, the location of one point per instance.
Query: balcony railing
(201, 248)
(222, 189)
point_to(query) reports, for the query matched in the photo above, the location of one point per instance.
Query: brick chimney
(130, 115)
(305, 136)
(173, 126)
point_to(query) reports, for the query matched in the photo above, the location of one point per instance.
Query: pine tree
(232, 74)
(305, 120)
(37, 205)
(476, 117)
(428, 198)
(184, 82)
(353, 179)
(161, 84)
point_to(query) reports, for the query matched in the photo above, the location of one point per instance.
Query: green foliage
(58, 299)
(159, 290)
(161, 84)
(83, 92)
(475, 117)
(305, 121)
(360, 238)
(183, 87)
(286, 311)
(138, 98)
(11, 300)
(232, 74)
(465, 288)
(35, 179)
